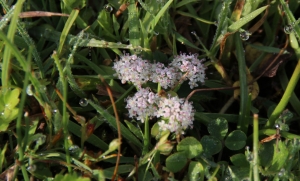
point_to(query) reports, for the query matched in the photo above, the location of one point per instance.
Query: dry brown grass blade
(34, 14)
(255, 27)
(118, 125)
(238, 8)
(274, 60)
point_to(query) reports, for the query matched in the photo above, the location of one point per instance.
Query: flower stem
(146, 136)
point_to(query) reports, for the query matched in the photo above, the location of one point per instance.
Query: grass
(65, 114)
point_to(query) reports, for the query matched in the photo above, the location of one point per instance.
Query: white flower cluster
(142, 104)
(192, 67)
(138, 71)
(132, 69)
(177, 115)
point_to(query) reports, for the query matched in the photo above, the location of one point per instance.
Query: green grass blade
(126, 133)
(243, 82)
(161, 13)
(74, 86)
(291, 19)
(28, 41)
(184, 2)
(6, 18)
(294, 100)
(241, 22)
(222, 25)
(66, 29)
(195, 17)
(7, 50)
(134, 30)
(93, 139)
(184, 41)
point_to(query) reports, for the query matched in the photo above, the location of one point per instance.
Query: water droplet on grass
(138, 49)
(83, 102)
(288, 29)
(30, 90)
(245, 35)
(31, 168)
(108, 8)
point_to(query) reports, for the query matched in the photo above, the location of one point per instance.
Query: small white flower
(166, 76)
(132, 69)
(177, 114)
(143, 104)
(191, 67)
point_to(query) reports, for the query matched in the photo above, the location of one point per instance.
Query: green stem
(286, 97)
(65, 118)
(255, 148)
(146, 137)
(19, 119)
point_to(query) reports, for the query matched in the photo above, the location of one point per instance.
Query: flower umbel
(166, 76)
(142, 105)
(191, 66)
(132, 69)
(177, 114)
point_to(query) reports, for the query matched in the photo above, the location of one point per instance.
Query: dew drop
(30, 90)
(108, 8)
(138, 49)
(54, 111)
(250, 157)
(288, 29)
(83, 102)
(245, 35)
(194, 33)
(74, 148)
(281, 172)
(43, 88)
(156, 33)
(31, 168)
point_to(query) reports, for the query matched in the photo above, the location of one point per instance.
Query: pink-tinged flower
(177, 114)
(132, 69)
(142, 105)
(165, 76)
(191, 67)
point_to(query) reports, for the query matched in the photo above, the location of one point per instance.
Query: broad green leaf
(191, 146)
(236, 140)
(11, 98)
(218, 128)
(211, 145)
(239, 173)
(244, 20)
(239, 160)
(196, 171)
(280, 156)
(176, 161)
